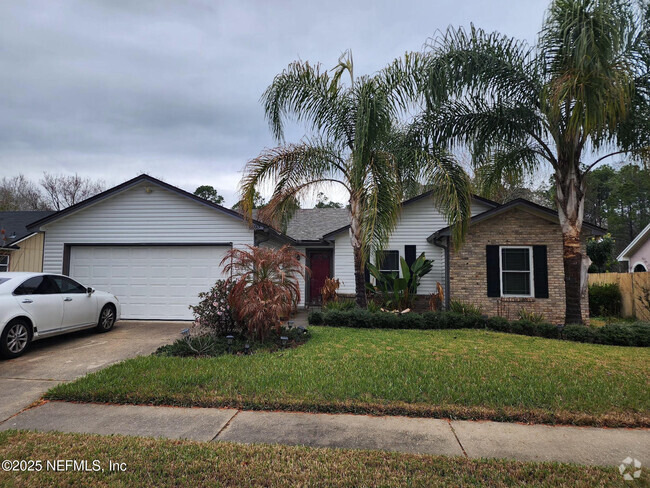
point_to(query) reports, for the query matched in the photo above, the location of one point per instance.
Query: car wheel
(106, 319)
(15, 339)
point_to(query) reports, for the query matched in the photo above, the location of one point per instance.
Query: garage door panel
(151, 282)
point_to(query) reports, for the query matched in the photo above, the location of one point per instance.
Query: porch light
(284, 340)
(247, 348)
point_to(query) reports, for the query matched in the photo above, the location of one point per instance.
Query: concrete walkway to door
(64, 358)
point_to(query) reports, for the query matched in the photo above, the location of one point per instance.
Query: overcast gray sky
(114, 88)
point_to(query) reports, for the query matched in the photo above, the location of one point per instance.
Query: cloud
(112, 88)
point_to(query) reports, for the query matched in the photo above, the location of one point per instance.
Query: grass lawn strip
(464, 374)
(160, 463)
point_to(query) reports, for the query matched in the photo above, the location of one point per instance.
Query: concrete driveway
(67, 357)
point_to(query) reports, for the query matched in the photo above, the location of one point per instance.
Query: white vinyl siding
(344, 262)
(135, 216)
(418, 221)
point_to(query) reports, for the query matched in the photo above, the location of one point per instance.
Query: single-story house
(156, 247)
(637, 253)
(21, 249)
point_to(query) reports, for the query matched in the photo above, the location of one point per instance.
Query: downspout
(437, 241)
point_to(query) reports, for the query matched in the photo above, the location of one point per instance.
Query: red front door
(319, 263)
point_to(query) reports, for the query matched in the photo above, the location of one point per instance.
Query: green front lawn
(151, 462)
(450, 373)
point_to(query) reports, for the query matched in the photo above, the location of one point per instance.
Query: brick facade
(468, 271)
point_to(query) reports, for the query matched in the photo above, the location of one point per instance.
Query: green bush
(616, 334)
(579, 333)
(315, 317)
(605, 300)
(641, 333)
(623, 334)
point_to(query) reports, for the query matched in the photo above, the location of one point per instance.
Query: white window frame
(3, 265)
(530, 271)
(640, 263)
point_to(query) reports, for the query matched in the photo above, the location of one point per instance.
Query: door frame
(308, 253)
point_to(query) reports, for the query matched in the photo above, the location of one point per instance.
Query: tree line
(52, 192)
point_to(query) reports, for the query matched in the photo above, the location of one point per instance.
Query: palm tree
(359, 141)
(584, 88)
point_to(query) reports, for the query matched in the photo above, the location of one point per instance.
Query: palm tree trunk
(570, 202)
(357, 240)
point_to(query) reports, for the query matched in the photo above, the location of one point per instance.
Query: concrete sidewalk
(582, 445)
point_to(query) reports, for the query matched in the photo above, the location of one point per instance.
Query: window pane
(515, 259)
(38, 285)
(516, 283)
(30, 286)
(66, 285)
(4, 262)
(388, 260)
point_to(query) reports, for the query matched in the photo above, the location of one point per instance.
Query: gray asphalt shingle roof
(311, 224)
(17, 222)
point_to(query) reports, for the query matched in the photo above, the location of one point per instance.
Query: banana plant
(399, 292)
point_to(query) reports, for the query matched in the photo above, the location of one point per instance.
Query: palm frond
(477, 63)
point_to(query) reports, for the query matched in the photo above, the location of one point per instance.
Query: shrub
(579, 333)
(315, 317)
(547, 330)
(213, 345)
(265, 286)
(634, 334)
(530, 316)
(616, 334)
(328, 291)
(641, 333)
(340, 305)
(464, 308)
(605, 300)
(213, 312)
(373, 306)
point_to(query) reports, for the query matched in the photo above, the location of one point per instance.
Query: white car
(38, 305)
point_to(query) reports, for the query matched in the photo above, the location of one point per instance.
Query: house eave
(525, 205)
(632, 246)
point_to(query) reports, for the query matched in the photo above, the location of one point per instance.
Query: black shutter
(540, 268)
(493, 278)
(409, 255)
(366, 272)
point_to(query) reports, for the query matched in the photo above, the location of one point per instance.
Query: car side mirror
(90, 290)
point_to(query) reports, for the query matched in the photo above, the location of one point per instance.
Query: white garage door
(151, 282)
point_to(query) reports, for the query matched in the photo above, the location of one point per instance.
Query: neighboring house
(156, 247)
(21, 249)
(637, 254)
